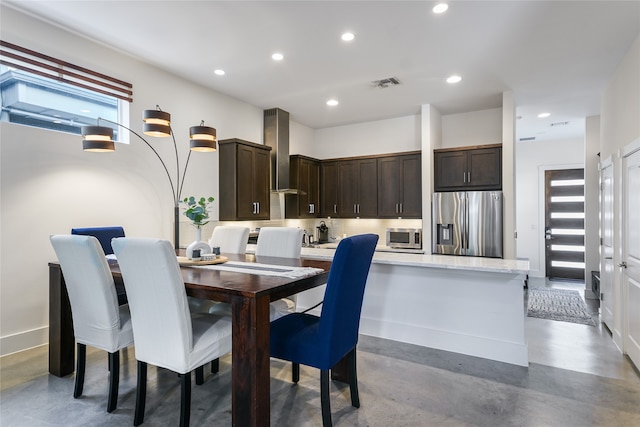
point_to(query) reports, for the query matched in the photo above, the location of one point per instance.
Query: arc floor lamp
(157, 123)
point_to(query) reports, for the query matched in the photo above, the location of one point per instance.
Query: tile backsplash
(337, 226)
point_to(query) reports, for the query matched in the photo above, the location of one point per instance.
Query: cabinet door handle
(464, 177)
(335, 208)
(258, 203)
(354, 208)
(397, 208)
(253, 208)
(358, 207)
(469, 177)
(400, 207)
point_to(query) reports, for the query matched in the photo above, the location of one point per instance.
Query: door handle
(623, 264)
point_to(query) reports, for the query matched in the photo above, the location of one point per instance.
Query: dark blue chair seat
(322, 342)
(104, 236)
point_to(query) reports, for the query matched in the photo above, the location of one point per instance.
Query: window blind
(34, 62)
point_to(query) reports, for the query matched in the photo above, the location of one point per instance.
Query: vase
(198, 244)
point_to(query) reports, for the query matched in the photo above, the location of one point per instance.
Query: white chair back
(158, 301)
(230, 239)
(96, 315)
(280, 242)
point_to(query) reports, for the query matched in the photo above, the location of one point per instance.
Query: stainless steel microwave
(405, 238)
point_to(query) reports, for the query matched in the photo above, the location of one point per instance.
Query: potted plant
(197, 210)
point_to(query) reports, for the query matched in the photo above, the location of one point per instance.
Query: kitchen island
(467, 305)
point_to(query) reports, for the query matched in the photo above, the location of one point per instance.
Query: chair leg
(324, 398)
(141, 394)
(80, 366)
(295, 372)
(353, 379)
(200, 375)
(215, 366)
(185, 400)
(114, 380)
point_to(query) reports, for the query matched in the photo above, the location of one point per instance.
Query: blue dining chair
(104, 236)
(321, 342)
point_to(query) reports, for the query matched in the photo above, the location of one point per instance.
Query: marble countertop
(495, 265)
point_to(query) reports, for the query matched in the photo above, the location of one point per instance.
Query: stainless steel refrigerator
(468, 223)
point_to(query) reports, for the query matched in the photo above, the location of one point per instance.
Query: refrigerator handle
(465, 224)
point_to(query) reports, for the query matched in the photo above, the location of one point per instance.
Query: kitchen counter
(467, 305)
(417, 258)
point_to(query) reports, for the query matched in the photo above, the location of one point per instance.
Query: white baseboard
(487, 348)
(24, 340)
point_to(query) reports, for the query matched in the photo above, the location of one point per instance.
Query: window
(41, 91)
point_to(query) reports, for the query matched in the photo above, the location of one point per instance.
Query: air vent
(384, 83)
(529, 138)
(559, 124)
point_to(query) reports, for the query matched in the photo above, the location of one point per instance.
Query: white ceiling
(556, 56)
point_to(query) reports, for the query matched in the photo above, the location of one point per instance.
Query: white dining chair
(98, 320)
(167, 334)
(230, 239)
(280, 242)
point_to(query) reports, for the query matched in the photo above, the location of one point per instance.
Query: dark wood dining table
(249, 296)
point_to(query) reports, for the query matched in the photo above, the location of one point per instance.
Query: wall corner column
(508, 174)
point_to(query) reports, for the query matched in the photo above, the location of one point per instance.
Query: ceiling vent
(384, 83)
(559, 124)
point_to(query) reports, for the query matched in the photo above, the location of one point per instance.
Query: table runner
(264, 269)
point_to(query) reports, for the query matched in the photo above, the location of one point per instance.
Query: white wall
(377, 137)
(592, 200)
(49, 185)
(620, 126)
(532, 159)
(473, 128)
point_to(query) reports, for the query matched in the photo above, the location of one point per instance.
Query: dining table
(249, 294)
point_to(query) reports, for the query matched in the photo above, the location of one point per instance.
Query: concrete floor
(576, 378)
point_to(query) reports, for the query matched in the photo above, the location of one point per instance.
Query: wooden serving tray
(183, 260)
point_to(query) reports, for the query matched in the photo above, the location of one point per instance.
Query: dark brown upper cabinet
(304, 176)
(468, 168)
(329, 189)
(400, 186)
(244, 180)
(358, 193)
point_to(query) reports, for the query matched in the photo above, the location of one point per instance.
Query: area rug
(558, 304)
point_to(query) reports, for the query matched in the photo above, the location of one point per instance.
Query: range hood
(276, 136)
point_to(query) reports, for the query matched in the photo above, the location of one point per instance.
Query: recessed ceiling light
(440, 8)
(454, 79)
(332, 103)
(348, 37)
(219, 72)
(543, 115)
(277, 57)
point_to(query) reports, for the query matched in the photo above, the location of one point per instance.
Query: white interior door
(607, 298)
(630, 264)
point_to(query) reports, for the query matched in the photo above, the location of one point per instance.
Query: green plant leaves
(198, 209)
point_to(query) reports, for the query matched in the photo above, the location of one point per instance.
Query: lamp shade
(97, 139)
(203, 138)
(156, 123)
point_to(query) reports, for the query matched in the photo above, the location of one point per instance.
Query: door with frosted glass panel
(564, 224)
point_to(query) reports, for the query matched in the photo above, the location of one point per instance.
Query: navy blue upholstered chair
(321, 342)
(104, 236)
